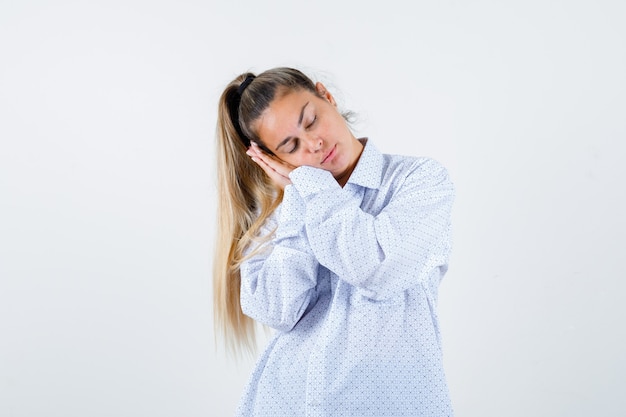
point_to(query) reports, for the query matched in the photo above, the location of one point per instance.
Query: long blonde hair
(246, 195)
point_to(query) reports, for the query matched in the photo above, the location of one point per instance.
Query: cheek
(337, 127)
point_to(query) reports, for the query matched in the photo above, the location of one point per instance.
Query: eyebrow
(288, 138)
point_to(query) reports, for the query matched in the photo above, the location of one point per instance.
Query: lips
(329, 155)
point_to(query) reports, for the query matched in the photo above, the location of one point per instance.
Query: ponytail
(246, 198)
(246, 195)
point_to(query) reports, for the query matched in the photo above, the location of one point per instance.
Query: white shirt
(349, 280)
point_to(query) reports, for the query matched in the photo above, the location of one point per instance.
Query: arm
(396, 249)
(278, 283)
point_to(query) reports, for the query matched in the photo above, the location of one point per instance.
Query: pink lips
(330, 155)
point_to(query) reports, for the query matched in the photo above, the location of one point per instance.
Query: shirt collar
(368, 171)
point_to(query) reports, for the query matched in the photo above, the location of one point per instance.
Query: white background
(107, 190)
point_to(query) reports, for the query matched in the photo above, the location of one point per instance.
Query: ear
(324, 93)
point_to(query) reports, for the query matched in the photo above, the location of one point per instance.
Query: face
(302, 128)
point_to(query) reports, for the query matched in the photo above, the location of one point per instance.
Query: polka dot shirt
(350, 284)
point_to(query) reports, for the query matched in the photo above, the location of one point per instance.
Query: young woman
(338, 247)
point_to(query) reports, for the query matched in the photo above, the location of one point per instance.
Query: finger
(275, 176)
(268, 168)
(276, 164)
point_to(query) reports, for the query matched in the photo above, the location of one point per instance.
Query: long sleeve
(368, 341)
(278, 282)
(397, 248)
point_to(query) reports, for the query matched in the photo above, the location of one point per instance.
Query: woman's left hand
(278, 170)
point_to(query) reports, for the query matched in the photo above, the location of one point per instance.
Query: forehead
(280, 119)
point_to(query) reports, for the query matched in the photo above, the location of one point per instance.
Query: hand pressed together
(277, 169)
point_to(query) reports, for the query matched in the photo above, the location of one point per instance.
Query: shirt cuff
(292, 213)
(309, 180)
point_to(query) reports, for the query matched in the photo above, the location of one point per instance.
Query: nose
(315, 144)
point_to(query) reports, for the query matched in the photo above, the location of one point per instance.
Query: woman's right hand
(275, 168)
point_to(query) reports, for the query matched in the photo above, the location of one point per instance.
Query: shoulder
(389, 173)
(414, 169)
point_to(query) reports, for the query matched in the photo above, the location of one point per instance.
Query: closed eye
(296, 144)
(312, 122)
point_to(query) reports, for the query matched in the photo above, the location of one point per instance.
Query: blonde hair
(246, 195)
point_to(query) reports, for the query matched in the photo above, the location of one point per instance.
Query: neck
(343, 178)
